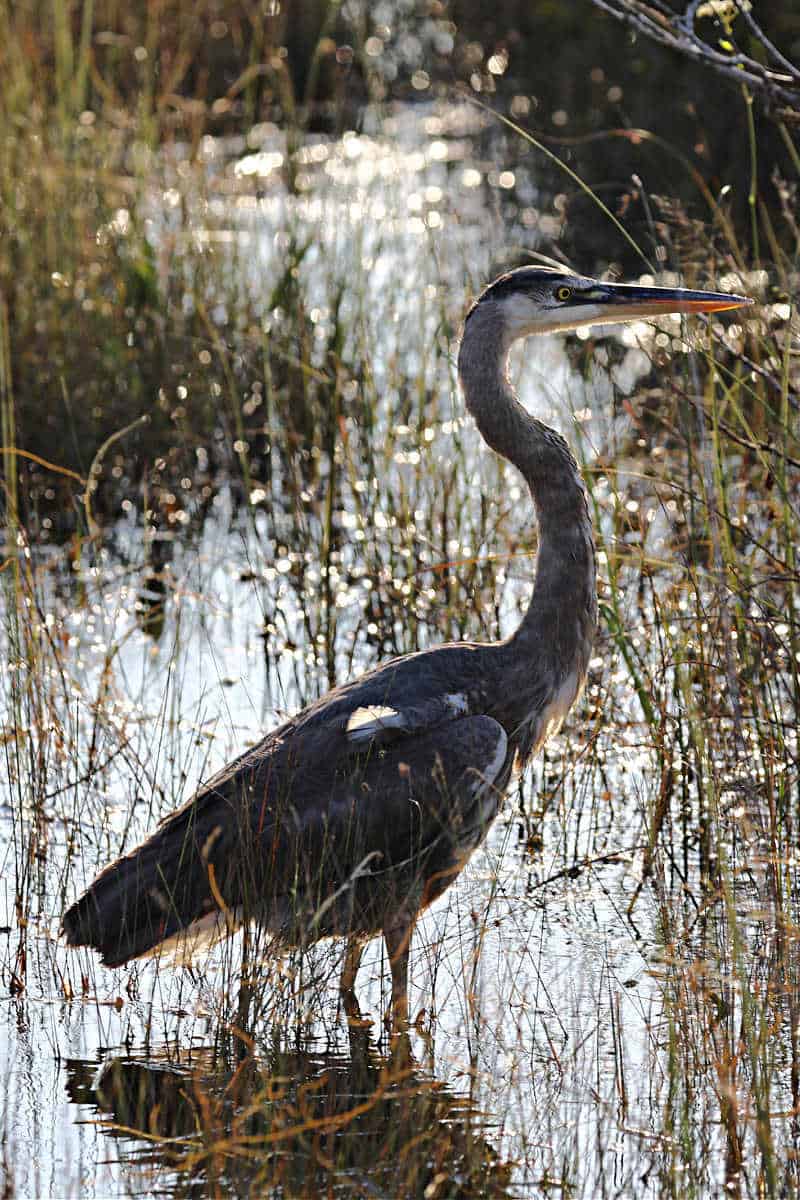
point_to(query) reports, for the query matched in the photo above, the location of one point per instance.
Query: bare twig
(777, 90)
(95, 470)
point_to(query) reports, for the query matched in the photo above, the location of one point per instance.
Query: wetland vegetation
(237, 244)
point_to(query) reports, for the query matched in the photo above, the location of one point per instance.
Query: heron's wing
(311, 832)
(344, 843)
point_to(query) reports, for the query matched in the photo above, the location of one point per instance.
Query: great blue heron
(354, 815)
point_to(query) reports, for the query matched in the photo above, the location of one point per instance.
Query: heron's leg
(347, 985)
(245, 984)
(398, 942)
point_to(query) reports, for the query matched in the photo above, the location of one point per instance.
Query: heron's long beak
(624, 300)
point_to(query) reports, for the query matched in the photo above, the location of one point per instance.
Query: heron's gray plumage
(355, 814)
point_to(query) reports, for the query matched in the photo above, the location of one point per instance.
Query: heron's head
(544, 300)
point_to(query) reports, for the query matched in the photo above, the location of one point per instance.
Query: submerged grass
(611, 1000)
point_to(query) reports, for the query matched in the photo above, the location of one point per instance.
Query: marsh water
(546, 1056)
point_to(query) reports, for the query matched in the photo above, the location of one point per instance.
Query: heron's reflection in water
(294, 1122)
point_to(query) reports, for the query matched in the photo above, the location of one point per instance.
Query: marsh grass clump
(701, 617)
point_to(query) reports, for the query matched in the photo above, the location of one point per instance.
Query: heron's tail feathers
(171, 892)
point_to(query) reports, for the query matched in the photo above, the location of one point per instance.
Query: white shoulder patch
(365, 723)
(458, 702)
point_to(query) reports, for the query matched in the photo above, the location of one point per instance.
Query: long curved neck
(558, 627)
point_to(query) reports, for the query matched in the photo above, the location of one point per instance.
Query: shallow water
(544, 1054)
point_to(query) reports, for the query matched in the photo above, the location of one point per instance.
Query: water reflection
(305, 1120)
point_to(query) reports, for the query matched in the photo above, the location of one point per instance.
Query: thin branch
(769, 46)
(677, 32)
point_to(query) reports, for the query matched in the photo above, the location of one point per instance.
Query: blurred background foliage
(96, 95)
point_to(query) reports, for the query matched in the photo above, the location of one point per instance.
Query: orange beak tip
(709, 306)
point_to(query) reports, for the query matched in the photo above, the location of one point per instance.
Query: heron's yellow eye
(563, 293)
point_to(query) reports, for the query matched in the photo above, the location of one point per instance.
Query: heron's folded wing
(398, 800)
(366, 792)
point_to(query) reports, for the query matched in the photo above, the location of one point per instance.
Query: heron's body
(353, 816)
